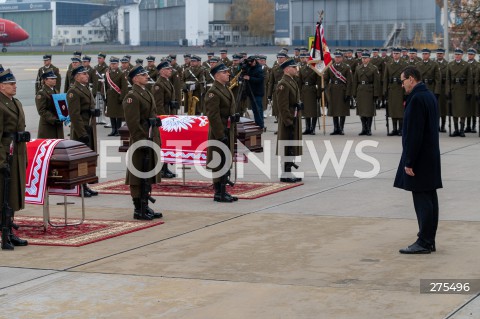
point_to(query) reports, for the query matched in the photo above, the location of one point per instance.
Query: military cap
(383, 50)
(404, 49)
(168, 59)
(114, 59)
(243, 53)
(440, 50)
(172, 56)
(218, 68)
(236, 56)
(7, 77)
(289, 62)
(86, 58)
(458, 51)
(285, 49)
(78, 70)
(210, 53)
(349, 50)
(365, 54)
(397, 50)
(304, 55)
(375, 50)
(139, 61)
(412, 50)
(49, 74)
(77, 54)
(426, 50)
(359, 50)
(196, 58)
(223, 51)
(124, 60)
(187, 55)
(76, 60)
(214, 59)
(471, 51)
(1, 68)
(136, 71)
(337, 53)
(150, 58)
(164, 65)
(129, 57)
(261, 57)
(101, 55)
(296, 49)
(282, 55)
(47, 57)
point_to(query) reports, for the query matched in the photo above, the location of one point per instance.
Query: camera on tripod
(245, 64)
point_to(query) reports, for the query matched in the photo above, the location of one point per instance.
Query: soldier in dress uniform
(384, 55)
(412, 57)
(310, 85)
(117, 86)
(220, 109)
(49, 125)
(151, 68)
(430, 73)
(81, 108)
(235, 69)
(176, 78)
(100, 70)
(472, 107)
(290, 118)
(206, 64)
(92, 74)
(47, 65)
(139, 108)
(276, 74)
(125, 65)
(139, 62)
(78, 55)
(262, 60)
(459, 89)
(296, 55)
(442, 99)
(194, 79)
(12, 129)
(379, 63)
(209, 79)
(366, 90)
(404, 54)
(338, 83)
(76, 62)
(224, 58)
(393, 91)
(187, 58)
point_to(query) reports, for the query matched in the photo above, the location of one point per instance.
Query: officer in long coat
(117, 87)
(100, 70)
(430, 72)
(393, 91)
(220, 109)
(152, 71)
(47, 65)
(12, 124)
(459, 88)
(380, 64)
(472, 104)
(194, 79)
(92, 74)
(276, 74)
(139, 107)
(289, 101)
(310, 90)
(442, 99)
(49, 125)
(176, 78)
(366, 90)
(69, 77)
(339, 88)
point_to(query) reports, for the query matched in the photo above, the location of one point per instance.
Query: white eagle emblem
(179, 123)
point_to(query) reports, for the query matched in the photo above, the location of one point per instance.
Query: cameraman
(255, 88)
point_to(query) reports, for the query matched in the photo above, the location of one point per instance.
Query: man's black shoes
(416, 249)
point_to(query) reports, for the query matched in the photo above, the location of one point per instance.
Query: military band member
(81, 108)
(224, 58)
(76, 62)
(430, 72)
(310, 85)
(12, 126)
(206, 64)
(235, 70)
(276, 74)
(472, 104)
(289, 118)
(220, 109)
(100, 70)
(176, 77)
(117, 86)
(366, 90)
(139, 107)
(393, 91)
(339, 87)
(49, 126)
(194, 79)
(442, 99)
(187, 58)
(125, 66)
(92, 74)
(47, 65)
(459, 88)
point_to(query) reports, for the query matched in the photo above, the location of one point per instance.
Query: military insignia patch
(280, 87)
(129, 100)
(157, 88)
(70, 95)
(39, 97)
(211, 95)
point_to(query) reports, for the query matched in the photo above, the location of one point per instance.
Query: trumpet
(234, 81)
(191, 100)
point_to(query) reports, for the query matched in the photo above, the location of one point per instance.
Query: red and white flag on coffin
(320, 57)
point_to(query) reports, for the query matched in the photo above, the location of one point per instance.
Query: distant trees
(252, 17)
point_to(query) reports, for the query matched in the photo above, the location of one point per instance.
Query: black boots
(149, 213)
(308, 126)
(166, 173)
(13, 241)
(458, 132)
(221, 194)
(394, 131)
(288, 171)
(342, 124)
(442, 124)
(471, 125)
(312, 127)
(113, 122)
(88, 192)
(338, 124)
(368, 125)
(364, 126)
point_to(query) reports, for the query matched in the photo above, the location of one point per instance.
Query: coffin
(72, 163)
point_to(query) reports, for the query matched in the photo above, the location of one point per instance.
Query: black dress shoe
(86, 193)
(222, 199)
(443, 130)
(455, 133)
(139, 216)
(7, 246)
(153, 214)
(17, 241)
(393, 133)
(234, 198)
(91, 191)
(112, 134)
(415, 249)
(290, 180)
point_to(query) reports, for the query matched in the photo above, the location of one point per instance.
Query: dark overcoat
(310, 88)
(460, 85)
(338, 90)
(163, 92)
(421, 150)
(442, 100)
(80, 104)
(366, 87)
(47, 124)
(114, 99)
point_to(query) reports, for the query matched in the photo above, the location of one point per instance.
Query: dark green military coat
(472, 108)
(163, 92)
(276, 74)
(287, 94)
(176, 79)
(393, 89)
(114, 100)
(442, 99)
(43, 69)
(92, 79)
(12, 120)
(460, 84)
(310, 90)
(139, 106)
(68, 81)
(352, 63)
(266, 78)
(366, 87)
(195, 75)
(430, 75)
(47, 124)
(100, 69)
(226, 61)
(338, 90)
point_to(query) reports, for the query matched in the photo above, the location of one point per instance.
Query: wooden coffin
(247, 132)
(72, 163)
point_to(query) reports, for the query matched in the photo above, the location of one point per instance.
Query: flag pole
(323, 104)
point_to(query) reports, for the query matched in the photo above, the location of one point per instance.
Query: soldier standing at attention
(76, 62)
(139, 107)
(117, 87)
(442, 99)
(472, 104)
(224, 58)
(379, 63)
(49, 125)
(276, 74)
(310, 92)
(366, 89)
(459, 88)
(47, 65)
(393, 91)
(125, 65)
(92, 74)
(176, 78)
(430, 73)
(339, 87)
(100, 70)
(206, 64)
(412, 57)
(151, 68)
(187, 58)
(296, 55)
(194, 79)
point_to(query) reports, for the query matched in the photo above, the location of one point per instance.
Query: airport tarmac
(326, 249)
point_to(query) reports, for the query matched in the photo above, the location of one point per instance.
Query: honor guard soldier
(209, 79)
(117, 86)
(125, 65)
(100, 70)
(338, 83)
(262, 60)
(206, 64)
(224, 58)
(289, 119)
(404, 54)
(296, 55)
(142, 121)
(76, 62)
(49, 125)
(366, 90)
(350, 60)
(13, 158)
(472, 107)
(412, 57)
(187, 58)
(78, 55)
(430, 72)
(442, 99)
(393, 92)
(310, 85)
(47, 65)
(220, 109)
(276, 74)
(194, 79)
(151, 68)
(379, 63)
(139, 62)
(176, 77)
(385, 57)
(459, 89)
(92, 74)
(81, 108)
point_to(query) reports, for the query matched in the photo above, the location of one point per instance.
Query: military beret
(1, 68)
(223, 51)
(47, 57)
(365, 54)
(458, 51)
(76, 60)
(114, 59)
(164, 65)
(471, 51)
(282, 55)
(101, 55)
(214, 59)
(188, 55)
(49, 74)
(412, 50)
(124, 60)
(210, 53)
(375, 50)
(139, 61)
(426, 50)
(86, 58)
(289, 62)
(77, 53)
(172, 56)
(7, 77)
(78, 70)
(150, 58)
(196, 58)
(219, 68)
(136, 71)
(236, 56)
(397, 50)
(440, 50)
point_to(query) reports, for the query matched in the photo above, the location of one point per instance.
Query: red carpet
(204, 189)
(89, 232)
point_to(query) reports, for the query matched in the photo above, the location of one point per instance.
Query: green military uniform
(310, 84)
(101, 69)
(196, 77)
(163, 92)
(442, 98)
(394, 94)
(115, 79)
(266, 77)
(431, 75)
(276, 74)
(49, 126)
(472, 103)
(176, 79)
(352, 63)
(43, 69)
(226, 61)
(92, 80)
(68, 81)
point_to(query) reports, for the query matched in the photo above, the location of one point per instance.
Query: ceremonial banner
(320, 57)
(60, 101)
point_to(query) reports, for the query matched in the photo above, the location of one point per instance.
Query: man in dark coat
(49, 125)
(255, 89)
(419, 169)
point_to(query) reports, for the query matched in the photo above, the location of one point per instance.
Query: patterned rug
(175, 187)
(89, 232)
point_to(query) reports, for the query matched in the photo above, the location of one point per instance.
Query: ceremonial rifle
(7, 211)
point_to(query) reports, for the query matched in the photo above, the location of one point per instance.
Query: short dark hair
(412, 71)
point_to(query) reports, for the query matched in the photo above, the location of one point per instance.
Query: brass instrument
(192, 100)
(234, 81)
